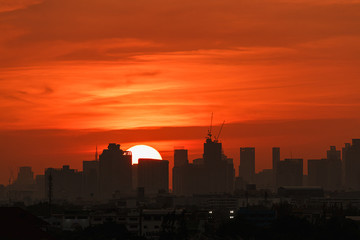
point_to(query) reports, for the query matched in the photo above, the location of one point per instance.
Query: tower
(180, 157)
(247, 164)
(275, 163)
(115, 175)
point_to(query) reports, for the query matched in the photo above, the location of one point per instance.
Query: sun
(143, 151)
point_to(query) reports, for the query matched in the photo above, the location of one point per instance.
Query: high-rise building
(351, 161)
(214, 173)
(333, 154)
(66, 183)
(333, 169)
(114, 172)
(247, 164)
(180, 157)
(23, 188)
(275, 162)
(91, 179)
(218, 171)
(25, 176)
(212, 152)
(290, 172)
(153, 175)
(325, 173)
(181, 172)
(40, 187)
(186, 179)
(264, 179)
(316, 172)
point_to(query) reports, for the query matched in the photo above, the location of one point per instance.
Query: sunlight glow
(143, 151)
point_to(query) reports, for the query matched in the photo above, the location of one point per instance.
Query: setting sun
(143, 151)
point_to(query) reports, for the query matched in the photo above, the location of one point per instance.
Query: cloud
(128, 64)
(12, 5)
(96, 30)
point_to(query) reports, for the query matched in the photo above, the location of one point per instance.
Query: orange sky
(74, 74)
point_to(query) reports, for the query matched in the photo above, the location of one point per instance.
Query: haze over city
(219, 114)
(79, 74)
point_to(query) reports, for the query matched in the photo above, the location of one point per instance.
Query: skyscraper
(290, 172)
(316, 172)
(23, 189)
(182, 176)
(180, 157)
(275, 162)
(91, 179)
(66, 183)
(247, 164)
(153, 175)
(351, 160)
(333, 168)
(114, 171)
(218, 170)
(214, 173)
(212, 152)
(25, 176)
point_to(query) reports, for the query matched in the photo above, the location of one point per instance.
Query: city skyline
(113, 175)
(280, 73)
(246, 170)
(168, 120)
(55, 147)
(264, 161)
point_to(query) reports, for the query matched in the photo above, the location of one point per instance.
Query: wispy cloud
(12, 5)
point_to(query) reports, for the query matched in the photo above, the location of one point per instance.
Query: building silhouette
(247, 164)
(351, 161)
(40, 187)
(91, 179)
(153, 175)
(214, 173)
(326, 173)
(275, 163)
(25, 176)
(114, 172)
(23, 188)
(182, 173)
(66, 183)
(114, 176)
(316, 172)
(180, 157)
(264, 179)
(290, 172)
(334, 169)
(218, 169)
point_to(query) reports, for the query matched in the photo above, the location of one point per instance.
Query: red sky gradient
(74, 74)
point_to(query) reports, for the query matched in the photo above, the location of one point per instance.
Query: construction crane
(217, 137)
(210, 128)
